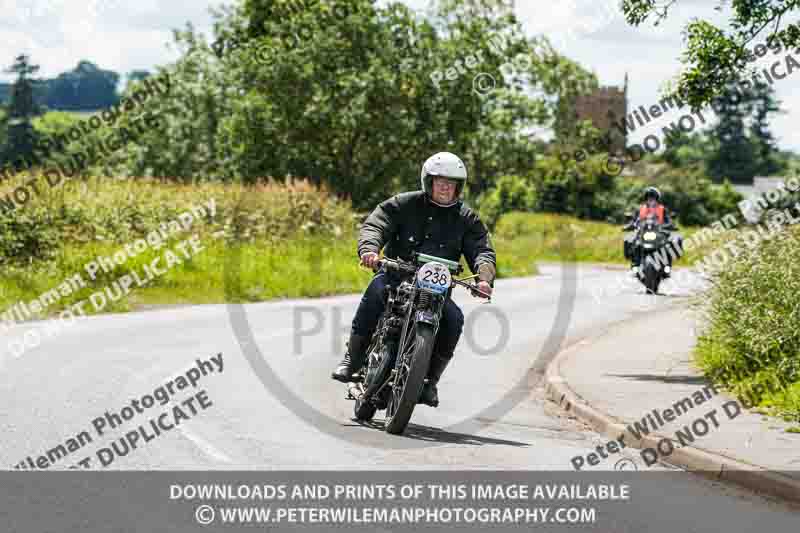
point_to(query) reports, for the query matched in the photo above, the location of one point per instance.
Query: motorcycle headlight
(649, 236)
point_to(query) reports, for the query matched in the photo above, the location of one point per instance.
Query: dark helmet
(652, 191)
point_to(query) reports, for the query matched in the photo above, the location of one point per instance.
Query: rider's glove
(487, 273)
(370, 259)
(485, 287)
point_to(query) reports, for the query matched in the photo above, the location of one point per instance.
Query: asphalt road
(283, 411)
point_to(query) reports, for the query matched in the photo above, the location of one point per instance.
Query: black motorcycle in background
(400, 349)
(653, 247)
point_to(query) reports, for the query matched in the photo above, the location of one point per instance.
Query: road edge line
(696, 461)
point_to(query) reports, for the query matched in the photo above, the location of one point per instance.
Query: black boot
(353, 359)
(430, 394)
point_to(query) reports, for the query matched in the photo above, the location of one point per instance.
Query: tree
(716, 57)
(138, 75)
(682, 149)
(769, 160)
(734, 155)
(20, 138)
(85, 88)
(354, 95)
(740, 150)
(697, 200)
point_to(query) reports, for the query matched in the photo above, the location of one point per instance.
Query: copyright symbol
(614, 166)
(625, 464)
(483, 84)
(218, 47)
(262, 53)
(204, 515)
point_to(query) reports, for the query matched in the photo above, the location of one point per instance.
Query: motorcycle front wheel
(652, 279)
(410, 370)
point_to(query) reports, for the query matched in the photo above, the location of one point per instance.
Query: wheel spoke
(402, 370)
(408, 353)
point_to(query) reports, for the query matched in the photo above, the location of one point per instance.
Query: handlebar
(473, 288)
(661, 227)
(398, 265)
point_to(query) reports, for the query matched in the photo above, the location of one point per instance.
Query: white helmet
(446, 165)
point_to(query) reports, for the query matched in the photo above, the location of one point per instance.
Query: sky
(124, 35)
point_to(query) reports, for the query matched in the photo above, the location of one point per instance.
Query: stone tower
(604, 107)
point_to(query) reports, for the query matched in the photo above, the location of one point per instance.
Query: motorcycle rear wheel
(411, 368)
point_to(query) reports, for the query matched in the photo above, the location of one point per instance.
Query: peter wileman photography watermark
(154, 427)
(590, 17)
(35, 333)
(484, 83)
(658, 418)
(46, 146)
(398, 502)
(310, 321)
(642, 116)
(739, 238)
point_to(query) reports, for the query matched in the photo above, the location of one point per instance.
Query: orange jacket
(658, 211)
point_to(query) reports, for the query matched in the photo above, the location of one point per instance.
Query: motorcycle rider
(652, 206)
(432, 221)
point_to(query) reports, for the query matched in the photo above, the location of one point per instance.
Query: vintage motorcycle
(400, 349)
(655, 247)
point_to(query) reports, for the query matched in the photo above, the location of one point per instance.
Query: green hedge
(587, 190)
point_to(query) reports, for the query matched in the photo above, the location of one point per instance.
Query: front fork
(430, 314)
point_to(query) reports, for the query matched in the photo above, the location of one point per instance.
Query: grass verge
(752, 338)
(53, 237)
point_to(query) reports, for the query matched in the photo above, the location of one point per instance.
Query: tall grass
(752, 336)
(276, 240)
(553, 237)
(525, 237)
(290, 238)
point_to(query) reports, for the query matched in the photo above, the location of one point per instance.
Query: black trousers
(372, 304)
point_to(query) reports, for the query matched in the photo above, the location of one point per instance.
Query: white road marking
(205, 446)
(202, 444)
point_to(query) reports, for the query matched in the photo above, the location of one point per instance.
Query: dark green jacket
(410, 222)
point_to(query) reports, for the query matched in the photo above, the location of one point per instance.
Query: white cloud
(123, 35)
(649, 55)
(119, 35)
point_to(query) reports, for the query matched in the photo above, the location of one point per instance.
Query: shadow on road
(686, 380)
(429, 434)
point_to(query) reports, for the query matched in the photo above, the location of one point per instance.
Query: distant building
(604, 107)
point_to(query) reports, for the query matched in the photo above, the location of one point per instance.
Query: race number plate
(434, 276)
